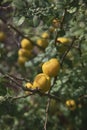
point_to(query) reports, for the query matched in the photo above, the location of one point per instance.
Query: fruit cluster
(25, 52)
(43, 80)
(50, 68)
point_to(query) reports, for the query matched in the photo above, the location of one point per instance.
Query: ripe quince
(26, 44)
(42, 82)
(71, 104)
(45, 35)
(63, 40)
(22, 60)
(51, 67)
(42, 43)
(24, 52)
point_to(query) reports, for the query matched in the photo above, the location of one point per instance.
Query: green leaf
(72, 10)
(36, 21)
(21, 20)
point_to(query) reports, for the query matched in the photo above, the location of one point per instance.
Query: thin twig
(63, 18)
(13, 80)
(82, 97)
(67, 51)
(19, 97)
(5, 8)
(56, 35)
(46, 117)
(11, 99)
(80, 51)
(19, 78)
(48, 104)
(51, 96)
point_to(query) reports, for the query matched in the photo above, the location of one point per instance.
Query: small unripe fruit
(71, 104)
(26, 44)
(52, 29)
(63, 40)
(45, 35)
(42, 82)
(51, 67)
(29, 86)
(2, 36)
(24, 53)
(56, 23)
(42, 43)
(22, 60)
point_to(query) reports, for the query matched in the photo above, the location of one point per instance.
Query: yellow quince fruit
(26, 44)
(22, 60)
(42, 43)
(42, 82)
(51, 67)
(28, 85)
(71, 104)
(64, 40)
(45, 35)
(24, 53)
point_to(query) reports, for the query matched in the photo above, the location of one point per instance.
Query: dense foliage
(64, 106)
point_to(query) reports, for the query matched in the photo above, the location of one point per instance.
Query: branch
(12, 79)
(34, 91)
(19, 97)
(9, 25)
(82, 97)
(17, 78)
(5, 8)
